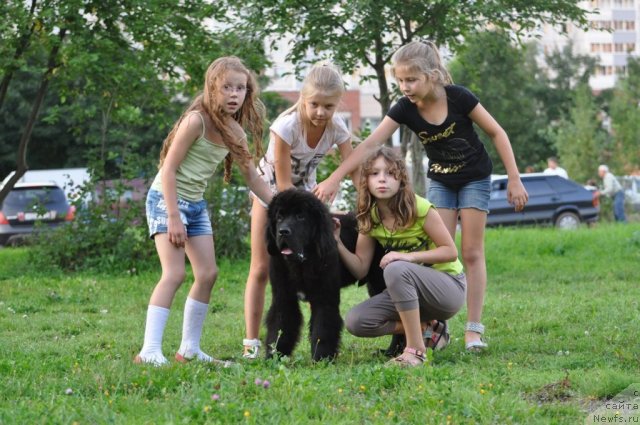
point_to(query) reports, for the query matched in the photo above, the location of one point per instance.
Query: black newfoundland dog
(304, 263)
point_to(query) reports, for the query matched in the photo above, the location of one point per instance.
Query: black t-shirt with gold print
(456, 154)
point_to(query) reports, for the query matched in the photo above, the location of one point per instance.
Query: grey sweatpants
(438, 295)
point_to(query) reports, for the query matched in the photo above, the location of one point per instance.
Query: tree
(565, 71)
(579, 137)
(503, 76)
(363, 34)
(624, 153)
(131, 55)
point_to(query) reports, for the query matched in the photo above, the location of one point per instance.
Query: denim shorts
(194, 215)
(474, 194)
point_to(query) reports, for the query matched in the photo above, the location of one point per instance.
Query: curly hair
(251, 115)
(402, 204)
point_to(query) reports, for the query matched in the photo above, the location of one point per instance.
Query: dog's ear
(323, 232)
(272, 247)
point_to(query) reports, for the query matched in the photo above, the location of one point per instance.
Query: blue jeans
(474, 194)
(618, 206)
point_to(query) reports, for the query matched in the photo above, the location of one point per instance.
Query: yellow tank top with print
(411, 239)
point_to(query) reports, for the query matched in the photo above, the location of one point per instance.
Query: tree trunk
(21, 160)
(385, 98)
(418, 173)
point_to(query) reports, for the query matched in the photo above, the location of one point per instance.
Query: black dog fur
(304, 262)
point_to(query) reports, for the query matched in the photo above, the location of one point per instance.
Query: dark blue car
(552, 200)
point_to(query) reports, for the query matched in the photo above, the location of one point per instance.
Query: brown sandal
(410, 357)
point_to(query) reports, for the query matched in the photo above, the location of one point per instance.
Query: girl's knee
(206, 277)
(472, 255)
(352, 323)
(173, 277)
(260, 273)
(394, 273)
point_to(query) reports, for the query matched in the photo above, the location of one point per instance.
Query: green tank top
(196, 168)
(411, 239)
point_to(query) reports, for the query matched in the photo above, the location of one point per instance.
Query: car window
(562, 185)
(499, 189)
(24, 197)
(538, 187)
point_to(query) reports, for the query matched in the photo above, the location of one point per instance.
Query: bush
(105, 236)
(229, 209)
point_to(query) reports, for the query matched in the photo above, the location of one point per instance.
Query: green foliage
(624, 153)
(115, 80)
(365, 33)
(275, 105)
(503, 76)
(229, 208)
(68, 341)
(566, 70)
(107, 235)
(579, 138)
(544, 114)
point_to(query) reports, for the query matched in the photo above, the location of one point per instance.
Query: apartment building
(612, 36)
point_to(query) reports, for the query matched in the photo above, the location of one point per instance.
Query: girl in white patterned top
(299, 139)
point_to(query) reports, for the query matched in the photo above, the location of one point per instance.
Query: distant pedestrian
(554, 168)
(613, 189)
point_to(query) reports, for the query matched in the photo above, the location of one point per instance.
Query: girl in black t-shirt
(442, 115)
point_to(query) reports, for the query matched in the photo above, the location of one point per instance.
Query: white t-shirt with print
(304, 160)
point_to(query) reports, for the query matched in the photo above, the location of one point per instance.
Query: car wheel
(567, 220)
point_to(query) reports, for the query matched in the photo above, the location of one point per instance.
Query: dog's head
(298, 226)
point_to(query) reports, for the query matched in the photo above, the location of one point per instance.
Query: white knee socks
(152, 349)
(194, 315)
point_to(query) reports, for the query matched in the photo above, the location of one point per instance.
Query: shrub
(105, 236)
(229, 209)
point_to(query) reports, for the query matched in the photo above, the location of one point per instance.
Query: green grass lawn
(562, 321)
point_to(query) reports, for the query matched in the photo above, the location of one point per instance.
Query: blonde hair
(323, 77)
(424, 57)
(250, 115)
(402, 205)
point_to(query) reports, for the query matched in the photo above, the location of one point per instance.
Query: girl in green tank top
(210, 130)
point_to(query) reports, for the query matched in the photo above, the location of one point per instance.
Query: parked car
(631, 186)
(552, 200)
(30, 203)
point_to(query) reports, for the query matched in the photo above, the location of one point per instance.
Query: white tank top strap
(201, 119)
